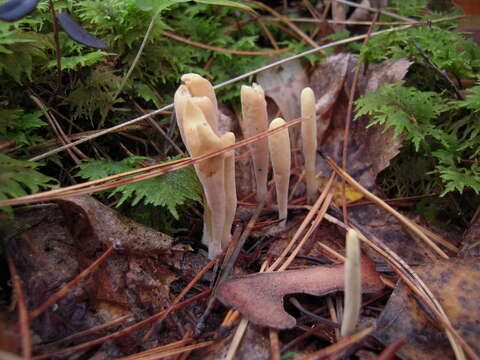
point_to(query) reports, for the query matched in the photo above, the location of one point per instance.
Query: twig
(22, 311)
(56, 128)
(288, 22)
(180, 297)
(438, 70)
(372, 9)
(405, 221)
(223, 50)
(274, 344)
(312, 315)
(391, 350)
(159, 129)
(339, 346)
(230, 263)
(137, 56)
(90, 331)
(168, 353)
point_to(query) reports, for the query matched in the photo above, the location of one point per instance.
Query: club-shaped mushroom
(309, 141)
(279, 146)
(254, 121)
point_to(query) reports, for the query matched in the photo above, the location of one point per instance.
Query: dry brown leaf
(259, 297)
(48, 255)
(91, 221)
(456, 284)
(283, 84)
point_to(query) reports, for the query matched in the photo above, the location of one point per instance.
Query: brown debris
(259, 297)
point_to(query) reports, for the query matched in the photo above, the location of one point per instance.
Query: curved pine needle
(223, 50)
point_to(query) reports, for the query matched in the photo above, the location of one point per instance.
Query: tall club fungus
(197, 119)
(279, 146)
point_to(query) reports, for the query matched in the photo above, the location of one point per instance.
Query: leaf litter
(147, 268)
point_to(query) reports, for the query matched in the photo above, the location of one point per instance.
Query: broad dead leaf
(91, 221)
(132, 280)
(456, 284)
(259, 297)
(283, 84)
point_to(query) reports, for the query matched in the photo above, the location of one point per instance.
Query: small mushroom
(309, 141)
(353, 285)
(254, 121)
(215, 181)
(197, 118)
(199, 87)
(279, 146)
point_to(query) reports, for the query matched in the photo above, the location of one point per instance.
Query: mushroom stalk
(197, 118)
(199, 87)
(353, 285)
(309, 141)
(254, 121)
(279, 146)
(217, 184)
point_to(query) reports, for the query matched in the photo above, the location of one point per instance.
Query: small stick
(437, 69)
(339, 346)
(391, 350)
(274, 344)
(180, 297)
(22, 311)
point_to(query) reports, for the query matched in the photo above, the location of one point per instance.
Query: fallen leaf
(339, 13)
(326, 82)
(470, 7)
(470, 243)
(90, 221)
(259, 297)
(456, 285)
(283, 84)
(132, 280)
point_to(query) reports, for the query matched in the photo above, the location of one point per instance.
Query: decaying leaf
(14, 10)
(283, 84)
(78, 33)
(456, 284)
(91, 221)
(327, 81)
(48, 254)
(259, 297)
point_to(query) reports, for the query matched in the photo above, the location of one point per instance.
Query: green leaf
(74, 62)
(170, 190)
(18, 178)
(157, 5)
(226, 3)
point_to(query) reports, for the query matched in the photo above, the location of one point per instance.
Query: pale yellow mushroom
(230, 188)
(309, 141)
(180, 98)
(279, 146)
(198, 87)
(254, 121)
(197, 118)
(353, 285)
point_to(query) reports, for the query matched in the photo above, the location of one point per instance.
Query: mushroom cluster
(197, 117)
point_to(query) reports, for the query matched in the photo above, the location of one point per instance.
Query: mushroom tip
(276, 123)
